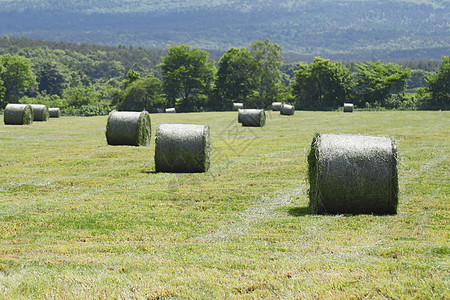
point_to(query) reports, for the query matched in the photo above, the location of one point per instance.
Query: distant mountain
(392, 30)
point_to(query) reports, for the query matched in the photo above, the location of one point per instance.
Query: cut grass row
(80, 219)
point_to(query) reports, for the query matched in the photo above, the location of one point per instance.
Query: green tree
(187, 75)
(418, 79)
(51, 77)
(439, 86)
(2, 87)
(132, 76)
(376, 81)
(235, 78)
(323, 84)
(267, 76)
(143, 93)
(79, 96)
(17, 77)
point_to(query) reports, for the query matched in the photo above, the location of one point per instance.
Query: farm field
(83, 220)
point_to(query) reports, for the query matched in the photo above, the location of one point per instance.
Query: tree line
(96, 81)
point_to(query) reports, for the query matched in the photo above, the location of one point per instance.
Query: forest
(345, 30)
(88, 79)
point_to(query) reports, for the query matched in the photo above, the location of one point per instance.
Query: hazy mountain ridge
(130, 6)
(342, 29)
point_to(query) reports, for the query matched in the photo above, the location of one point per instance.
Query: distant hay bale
(171, 110)
(348, 107)
(276, 106)
(353, 174)
(40, 112)
(237, 106)
(18, 114)
(252, 117)
(128, 128)
(182, 148)
(287, 110)
(54, 112)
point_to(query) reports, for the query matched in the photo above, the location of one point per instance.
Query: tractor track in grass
(265, 208)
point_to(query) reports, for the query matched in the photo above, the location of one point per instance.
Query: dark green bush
(88, 110)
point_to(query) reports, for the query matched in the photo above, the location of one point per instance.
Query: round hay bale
(182, 148)
(276, 106)
(237, 106)
(171, 110)
(18, 114)
(128, 128)
(40, 112)
(287, 110)
(54, 112)
(353, 174)
(348, 107)
(252, 117)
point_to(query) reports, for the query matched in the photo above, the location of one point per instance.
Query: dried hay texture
(171, 110)
(40, 112)
(128, 128)
(252, 117)
(54, 112)
(18, 114)
(237, 106)
(348, 107)
(182, 148)
(287, 110)
(353, 174)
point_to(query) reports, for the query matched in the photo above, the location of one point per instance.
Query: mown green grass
(81, 219)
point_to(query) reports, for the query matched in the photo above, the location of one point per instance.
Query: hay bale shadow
(299, 211)
(148, 172)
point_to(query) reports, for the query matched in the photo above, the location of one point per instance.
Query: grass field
(83, 220)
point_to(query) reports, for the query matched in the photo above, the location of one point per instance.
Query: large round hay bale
(171, 110)
(128, 128)
(287, 110)
(353, 174)
(54, 112)
(252, 117)
(348, 107)
(182, 148)
(40, 112)
(276, 106)
(237, 106)
(18, 114)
